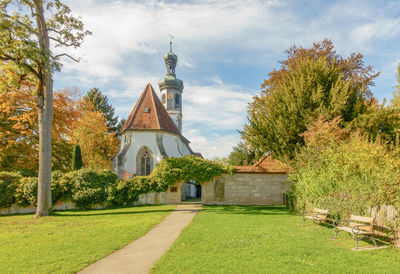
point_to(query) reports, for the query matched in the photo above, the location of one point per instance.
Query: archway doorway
(190, 192)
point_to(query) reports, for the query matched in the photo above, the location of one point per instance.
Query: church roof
(149, 114)
(267, 164)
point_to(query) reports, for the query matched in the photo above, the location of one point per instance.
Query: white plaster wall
(138, 140)
(173, 145)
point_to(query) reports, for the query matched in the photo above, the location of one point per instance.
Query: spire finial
(170, 42)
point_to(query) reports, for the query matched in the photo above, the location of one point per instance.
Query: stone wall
(153, 198)
(65, 205)
(246, 189)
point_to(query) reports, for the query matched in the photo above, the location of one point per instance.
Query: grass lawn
(267, 239)
(70, 240)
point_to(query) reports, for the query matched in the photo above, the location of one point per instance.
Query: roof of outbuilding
(149, 114)
(267, 164)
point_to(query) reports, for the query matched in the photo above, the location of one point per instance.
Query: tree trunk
(45, 113)
(45, 125)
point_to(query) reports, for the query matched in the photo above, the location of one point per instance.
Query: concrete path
(140, 255)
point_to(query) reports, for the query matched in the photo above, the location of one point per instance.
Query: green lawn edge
(68, 241)
(268, 239)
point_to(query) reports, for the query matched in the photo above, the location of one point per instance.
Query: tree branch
(5, 57)
(54, 30)
(61, 42)
(19, 22)
(67, 55)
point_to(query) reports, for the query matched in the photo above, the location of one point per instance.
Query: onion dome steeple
(171, 89)
(170, 80)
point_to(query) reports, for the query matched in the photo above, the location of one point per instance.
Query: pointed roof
(267, 164)
(149, 114)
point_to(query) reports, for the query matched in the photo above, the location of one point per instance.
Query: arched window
(144, 161)
(177, 101)
(163, 98)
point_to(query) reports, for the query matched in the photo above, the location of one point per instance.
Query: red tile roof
(149, 113)
(266, 164)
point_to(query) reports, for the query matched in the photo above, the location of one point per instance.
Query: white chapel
(153, 130)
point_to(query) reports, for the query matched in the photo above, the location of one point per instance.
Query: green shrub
(27, 172)
(8, 184)
(347, 177)
(58, 192)
(86, 187)
(26, 191)
(127, 192)
(172, 170)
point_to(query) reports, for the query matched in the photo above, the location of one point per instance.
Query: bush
(58, 191)
(27, 172)
(8, 184)
(86, 187)
(26, 191)
(127, 192)
(347, 176)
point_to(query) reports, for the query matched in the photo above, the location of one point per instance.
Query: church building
(153, 130)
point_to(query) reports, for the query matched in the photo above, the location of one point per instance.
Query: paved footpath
(140, 255)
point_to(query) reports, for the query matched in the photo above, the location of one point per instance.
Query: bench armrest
(356, 229)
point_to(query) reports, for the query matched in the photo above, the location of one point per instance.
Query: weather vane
(170, 41)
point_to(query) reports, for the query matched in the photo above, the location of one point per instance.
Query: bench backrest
(321, 213)
(359, 220)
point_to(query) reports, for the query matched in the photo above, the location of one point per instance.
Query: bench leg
(315, 224)
(304, 221)
(336, 232)
(373, 239)
(357, 239)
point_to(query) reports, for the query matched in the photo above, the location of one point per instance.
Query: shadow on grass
(105, 211)
(246, 210)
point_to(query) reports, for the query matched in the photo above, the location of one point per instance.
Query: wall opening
(190, 192)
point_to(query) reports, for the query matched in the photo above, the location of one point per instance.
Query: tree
(120, 124)
(95, 100)
(26, 29)
(97, 144)
(241, 155)
(310, 83)
(77, 158)
(396, 94)
(19, 138)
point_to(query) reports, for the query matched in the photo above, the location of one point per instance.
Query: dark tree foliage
(241, 155)
(310, 83)
(77, 158)
(120, 124)
(96, 100)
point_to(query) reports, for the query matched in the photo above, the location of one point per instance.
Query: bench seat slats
(315, 218)
(350, 230)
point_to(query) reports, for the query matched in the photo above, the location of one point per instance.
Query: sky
(225, 51)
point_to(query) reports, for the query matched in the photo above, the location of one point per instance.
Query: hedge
(86, 187)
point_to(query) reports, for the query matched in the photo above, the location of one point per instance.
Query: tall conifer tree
(77, 158)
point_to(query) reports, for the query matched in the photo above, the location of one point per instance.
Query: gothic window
(144, 161)
(163, 98)
(177, 101)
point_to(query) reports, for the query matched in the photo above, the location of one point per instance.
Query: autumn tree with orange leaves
(98, 145)
(19, 123)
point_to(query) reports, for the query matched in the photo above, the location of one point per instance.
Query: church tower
(171, 89)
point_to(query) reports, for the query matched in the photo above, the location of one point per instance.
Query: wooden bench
(317, 215)
(359, 226)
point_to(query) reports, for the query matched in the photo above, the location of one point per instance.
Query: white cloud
(212, 37)
(212, 146)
